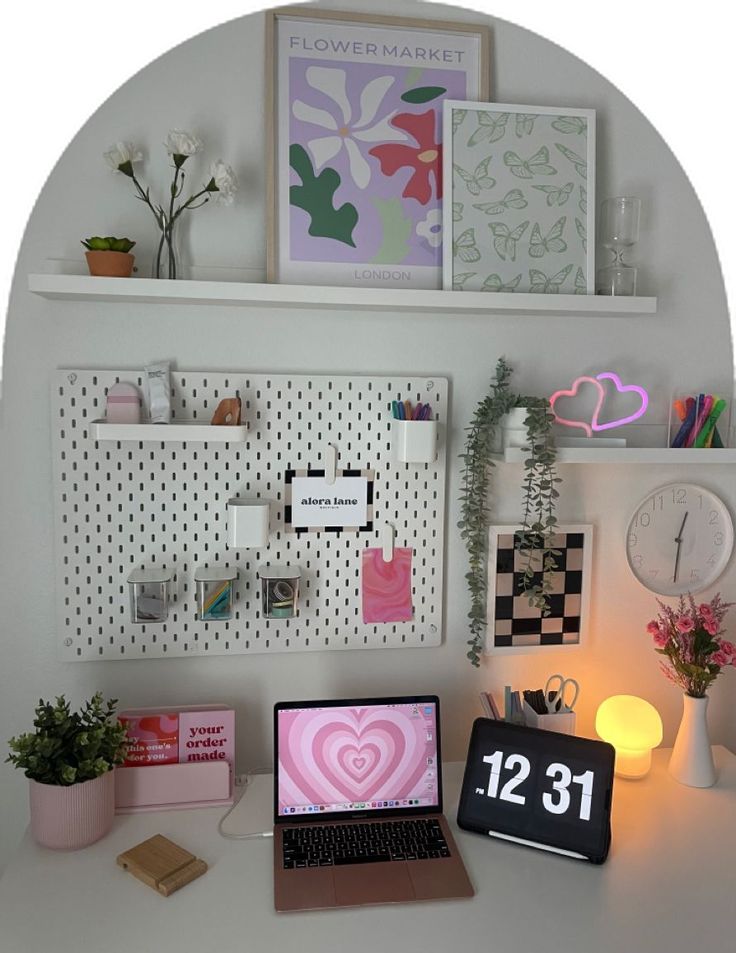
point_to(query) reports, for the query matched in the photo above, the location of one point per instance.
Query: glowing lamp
(633, 727)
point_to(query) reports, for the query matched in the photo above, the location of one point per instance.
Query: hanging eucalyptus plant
(539, 496)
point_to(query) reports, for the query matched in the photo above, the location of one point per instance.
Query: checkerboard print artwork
(513, 623)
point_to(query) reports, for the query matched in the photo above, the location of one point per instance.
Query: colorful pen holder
(700, 419)
(414, 441)
(215, 593)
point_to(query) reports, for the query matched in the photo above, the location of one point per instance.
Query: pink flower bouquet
(689, 637)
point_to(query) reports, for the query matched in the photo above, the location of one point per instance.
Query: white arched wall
(214, 85)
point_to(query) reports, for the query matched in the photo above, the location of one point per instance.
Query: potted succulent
(69, 761)
(109, 257)
(539, 497)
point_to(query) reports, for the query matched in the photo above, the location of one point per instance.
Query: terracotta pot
(67, 818)
(110, 264)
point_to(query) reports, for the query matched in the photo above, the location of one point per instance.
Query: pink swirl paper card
(386, 586)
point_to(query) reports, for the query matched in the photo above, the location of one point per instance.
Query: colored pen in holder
(698, 418)
(413, 432)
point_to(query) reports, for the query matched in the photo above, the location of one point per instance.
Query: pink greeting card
(386, 586)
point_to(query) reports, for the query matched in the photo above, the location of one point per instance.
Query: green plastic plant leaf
(423, 94)
(316, 197)
(69, 747)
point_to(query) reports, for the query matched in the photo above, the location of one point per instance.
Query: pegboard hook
(330, 463)
(387, 542)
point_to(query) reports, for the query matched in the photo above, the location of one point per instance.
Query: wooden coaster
(162, 864)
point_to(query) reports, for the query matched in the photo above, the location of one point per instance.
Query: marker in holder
(215, 593)
(414, 432)
(149, 595)
(279, 591)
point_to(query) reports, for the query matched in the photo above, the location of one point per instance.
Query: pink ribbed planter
(67, 818)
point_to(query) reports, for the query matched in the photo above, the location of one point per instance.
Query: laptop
(358, 805)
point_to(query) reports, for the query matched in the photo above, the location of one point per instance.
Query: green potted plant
(109, 257)
(539, 497)
(69, 761)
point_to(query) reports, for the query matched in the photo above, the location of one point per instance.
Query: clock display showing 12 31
(539, 788)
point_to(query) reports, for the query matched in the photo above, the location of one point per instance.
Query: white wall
(213, 84)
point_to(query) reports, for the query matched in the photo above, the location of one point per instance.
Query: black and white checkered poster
(516, 626)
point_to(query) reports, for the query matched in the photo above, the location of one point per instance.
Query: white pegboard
(120, 506)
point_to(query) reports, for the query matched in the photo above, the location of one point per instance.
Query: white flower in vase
(181, 144)
(224, 182)
(121, 157)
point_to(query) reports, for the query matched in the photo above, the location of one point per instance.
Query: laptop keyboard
(341, 844)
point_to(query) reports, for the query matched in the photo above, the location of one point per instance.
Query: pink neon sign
(594, 424)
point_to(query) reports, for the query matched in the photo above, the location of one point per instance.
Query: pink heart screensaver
(330, 756)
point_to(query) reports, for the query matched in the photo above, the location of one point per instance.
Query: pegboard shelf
(120, 507)
(177, 431)
(658, 455)
(420, 301)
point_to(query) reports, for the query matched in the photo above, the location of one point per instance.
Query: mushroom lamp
(633, 727)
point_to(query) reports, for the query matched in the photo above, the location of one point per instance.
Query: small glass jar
(215, 593)
(149, 595)
(279, 591)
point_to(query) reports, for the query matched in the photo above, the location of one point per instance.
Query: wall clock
(680, 539)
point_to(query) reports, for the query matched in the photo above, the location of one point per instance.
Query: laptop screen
(367, 756)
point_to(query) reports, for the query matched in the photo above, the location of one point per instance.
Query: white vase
(692, 759)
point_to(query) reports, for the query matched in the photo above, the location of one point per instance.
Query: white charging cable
(254, 835)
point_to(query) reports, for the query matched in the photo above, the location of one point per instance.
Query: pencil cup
(415, 441)
(700, 417)
(149, 595)
(562, 721)
(247, 524)
(215, 593)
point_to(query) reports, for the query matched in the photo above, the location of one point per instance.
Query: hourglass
(619, 230)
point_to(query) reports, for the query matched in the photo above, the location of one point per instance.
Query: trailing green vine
(539, 496)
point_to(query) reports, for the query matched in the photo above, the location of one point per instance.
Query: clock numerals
(713, 518)
(507, 791)
(556, 801)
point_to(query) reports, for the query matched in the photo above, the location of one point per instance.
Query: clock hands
(678, 540)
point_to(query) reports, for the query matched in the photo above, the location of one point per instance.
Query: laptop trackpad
(373, 883)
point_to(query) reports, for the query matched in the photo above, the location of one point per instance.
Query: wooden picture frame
(512, 625)
(519, 187)
(361, 208)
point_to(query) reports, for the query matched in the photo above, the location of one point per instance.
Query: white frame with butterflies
(519, 189)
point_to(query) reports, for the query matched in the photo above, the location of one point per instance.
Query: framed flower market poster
(355, 144)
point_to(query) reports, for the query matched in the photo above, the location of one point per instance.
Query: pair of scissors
(555, 694)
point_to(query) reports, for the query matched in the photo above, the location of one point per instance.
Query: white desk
(668, 885)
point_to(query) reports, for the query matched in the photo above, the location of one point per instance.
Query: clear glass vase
(166, 261)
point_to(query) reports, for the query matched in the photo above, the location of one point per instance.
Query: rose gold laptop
(358, 805)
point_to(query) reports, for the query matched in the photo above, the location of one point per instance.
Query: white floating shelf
(175, 432)
(239, 294)
(663, 455)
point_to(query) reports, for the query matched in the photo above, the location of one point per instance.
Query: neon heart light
(595, 424)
